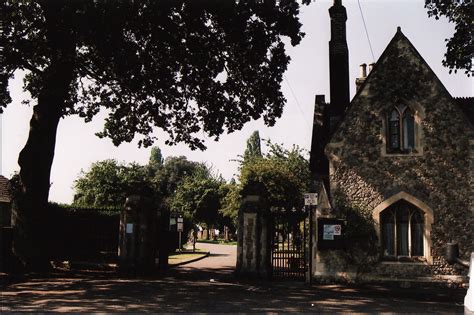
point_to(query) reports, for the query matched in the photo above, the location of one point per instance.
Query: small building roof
(4, 189)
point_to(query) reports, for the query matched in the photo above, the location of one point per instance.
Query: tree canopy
(281, 176)
(108, 183)
(174, 171)
(180, 65)
(198, 197)
(254, 149)
(230, 203)
(156, 159)
(460, 47)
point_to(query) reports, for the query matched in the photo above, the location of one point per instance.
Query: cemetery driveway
(220, 264)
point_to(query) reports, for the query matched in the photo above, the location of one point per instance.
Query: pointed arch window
(402, 231)
(401, 130)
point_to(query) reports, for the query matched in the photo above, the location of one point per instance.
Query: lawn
(185, 255)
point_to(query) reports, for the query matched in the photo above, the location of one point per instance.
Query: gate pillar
(253, 250)
(137, 241)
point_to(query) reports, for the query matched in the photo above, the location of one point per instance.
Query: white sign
(180, 219)
(330, 230)
(179, 228)
(310, 199)
(129, 228)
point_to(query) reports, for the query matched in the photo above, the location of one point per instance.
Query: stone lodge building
(399, 158)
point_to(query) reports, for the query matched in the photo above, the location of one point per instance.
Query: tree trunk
(36, 158)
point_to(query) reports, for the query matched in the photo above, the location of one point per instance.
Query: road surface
(220, 264)
(208, 286)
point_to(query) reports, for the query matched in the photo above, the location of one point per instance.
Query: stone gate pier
(253, 239)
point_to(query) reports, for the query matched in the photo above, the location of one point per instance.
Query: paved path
(222, 256)
(219, 264)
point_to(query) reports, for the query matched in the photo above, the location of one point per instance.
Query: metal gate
(289, 257)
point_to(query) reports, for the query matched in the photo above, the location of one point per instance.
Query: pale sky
(308, 74)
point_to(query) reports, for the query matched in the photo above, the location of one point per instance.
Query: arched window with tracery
(402, 231)
(401, 130)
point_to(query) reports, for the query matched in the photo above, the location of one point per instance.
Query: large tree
(253, 149)
(460, 47)
(179, 65)
(156, 159)
(198, 197)
(108, 183)
(230, 203)
(281, 176)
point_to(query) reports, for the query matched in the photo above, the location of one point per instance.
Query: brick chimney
(338, 61)
(318, 162)
(320, 136)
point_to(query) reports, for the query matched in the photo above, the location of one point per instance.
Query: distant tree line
(194, 189)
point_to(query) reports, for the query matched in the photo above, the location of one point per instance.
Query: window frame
(402, 148)
(392, 215)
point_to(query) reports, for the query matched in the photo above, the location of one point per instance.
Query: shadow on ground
(211, 290)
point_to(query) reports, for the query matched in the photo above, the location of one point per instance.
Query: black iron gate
(290, 249)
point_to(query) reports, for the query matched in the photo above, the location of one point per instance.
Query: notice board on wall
(330, 233)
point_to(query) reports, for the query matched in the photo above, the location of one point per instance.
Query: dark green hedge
(81, 233)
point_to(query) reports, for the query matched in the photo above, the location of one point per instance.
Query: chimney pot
(363, 70)
(320, 99)
(371, 66)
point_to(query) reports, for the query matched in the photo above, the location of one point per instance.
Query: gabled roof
(4, 189)
(465, 104)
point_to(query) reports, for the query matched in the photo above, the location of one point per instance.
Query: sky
(307, 75)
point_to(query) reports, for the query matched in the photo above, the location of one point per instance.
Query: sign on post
(179, 226)
(310, 199)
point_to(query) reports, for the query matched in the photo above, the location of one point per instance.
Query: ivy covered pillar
(253, 239)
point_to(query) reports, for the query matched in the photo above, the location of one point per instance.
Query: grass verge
(218, 242)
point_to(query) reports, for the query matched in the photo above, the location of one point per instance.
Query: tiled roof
(4, 191)
(467, 106)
